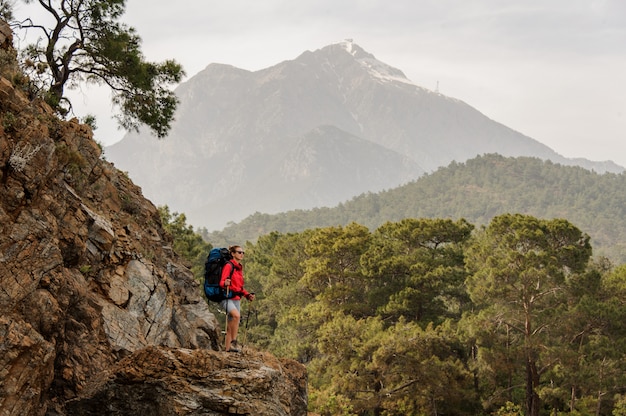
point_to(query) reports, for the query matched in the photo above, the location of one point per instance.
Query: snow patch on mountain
(377, 69)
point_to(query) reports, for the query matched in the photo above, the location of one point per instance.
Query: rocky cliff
(97, 314)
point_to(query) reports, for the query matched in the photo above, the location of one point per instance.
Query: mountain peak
(355, 50)
(376, 68)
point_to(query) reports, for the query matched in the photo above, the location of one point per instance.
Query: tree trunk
(532, 381)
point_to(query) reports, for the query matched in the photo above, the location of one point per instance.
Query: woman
(232, 306)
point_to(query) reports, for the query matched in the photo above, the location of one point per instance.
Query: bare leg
(232, 327)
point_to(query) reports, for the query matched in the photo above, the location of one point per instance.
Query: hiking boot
(234, 347)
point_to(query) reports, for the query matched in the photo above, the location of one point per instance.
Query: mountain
(478, 190)
(309, 132)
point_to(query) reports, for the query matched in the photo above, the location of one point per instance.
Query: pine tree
(86, 43)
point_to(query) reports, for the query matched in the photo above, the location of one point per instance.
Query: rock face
(97, 314)
(158, 381)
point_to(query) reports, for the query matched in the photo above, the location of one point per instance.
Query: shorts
(228, 306)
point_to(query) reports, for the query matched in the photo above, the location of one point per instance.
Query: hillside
(309, 132)
(477, 190)
(98, 315)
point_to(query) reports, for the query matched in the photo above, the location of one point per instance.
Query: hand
(227, 282)
(250, 297)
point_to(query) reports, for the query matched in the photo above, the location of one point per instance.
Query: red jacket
(236, 282)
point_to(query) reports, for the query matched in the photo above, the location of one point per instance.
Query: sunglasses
(240, 252)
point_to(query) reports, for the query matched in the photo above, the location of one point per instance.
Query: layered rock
(97, 313)
(196, 382)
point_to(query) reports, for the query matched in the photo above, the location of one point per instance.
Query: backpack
(215, 262)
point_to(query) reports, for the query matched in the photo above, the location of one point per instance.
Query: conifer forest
(438, 316)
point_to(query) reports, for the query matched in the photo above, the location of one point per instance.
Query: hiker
(233, 305)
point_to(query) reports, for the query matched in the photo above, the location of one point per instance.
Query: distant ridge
(309, 132)
(477, 190)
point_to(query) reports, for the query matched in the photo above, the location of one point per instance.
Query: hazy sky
(554, 70)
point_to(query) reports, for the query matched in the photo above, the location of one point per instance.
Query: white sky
(554, 70)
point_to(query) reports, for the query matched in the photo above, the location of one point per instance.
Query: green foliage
(430, 316)
(620, 405)
(85, 42)
(332, 269)
(90, 120)
(9, 66)
(9, 122)
(519, 266)
(6, 10)
(321, 291)
(330, 403)
(477, 190)
(509, 409)
(419, 266)
(187, 242)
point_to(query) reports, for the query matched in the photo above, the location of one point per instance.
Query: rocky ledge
(176, 381)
